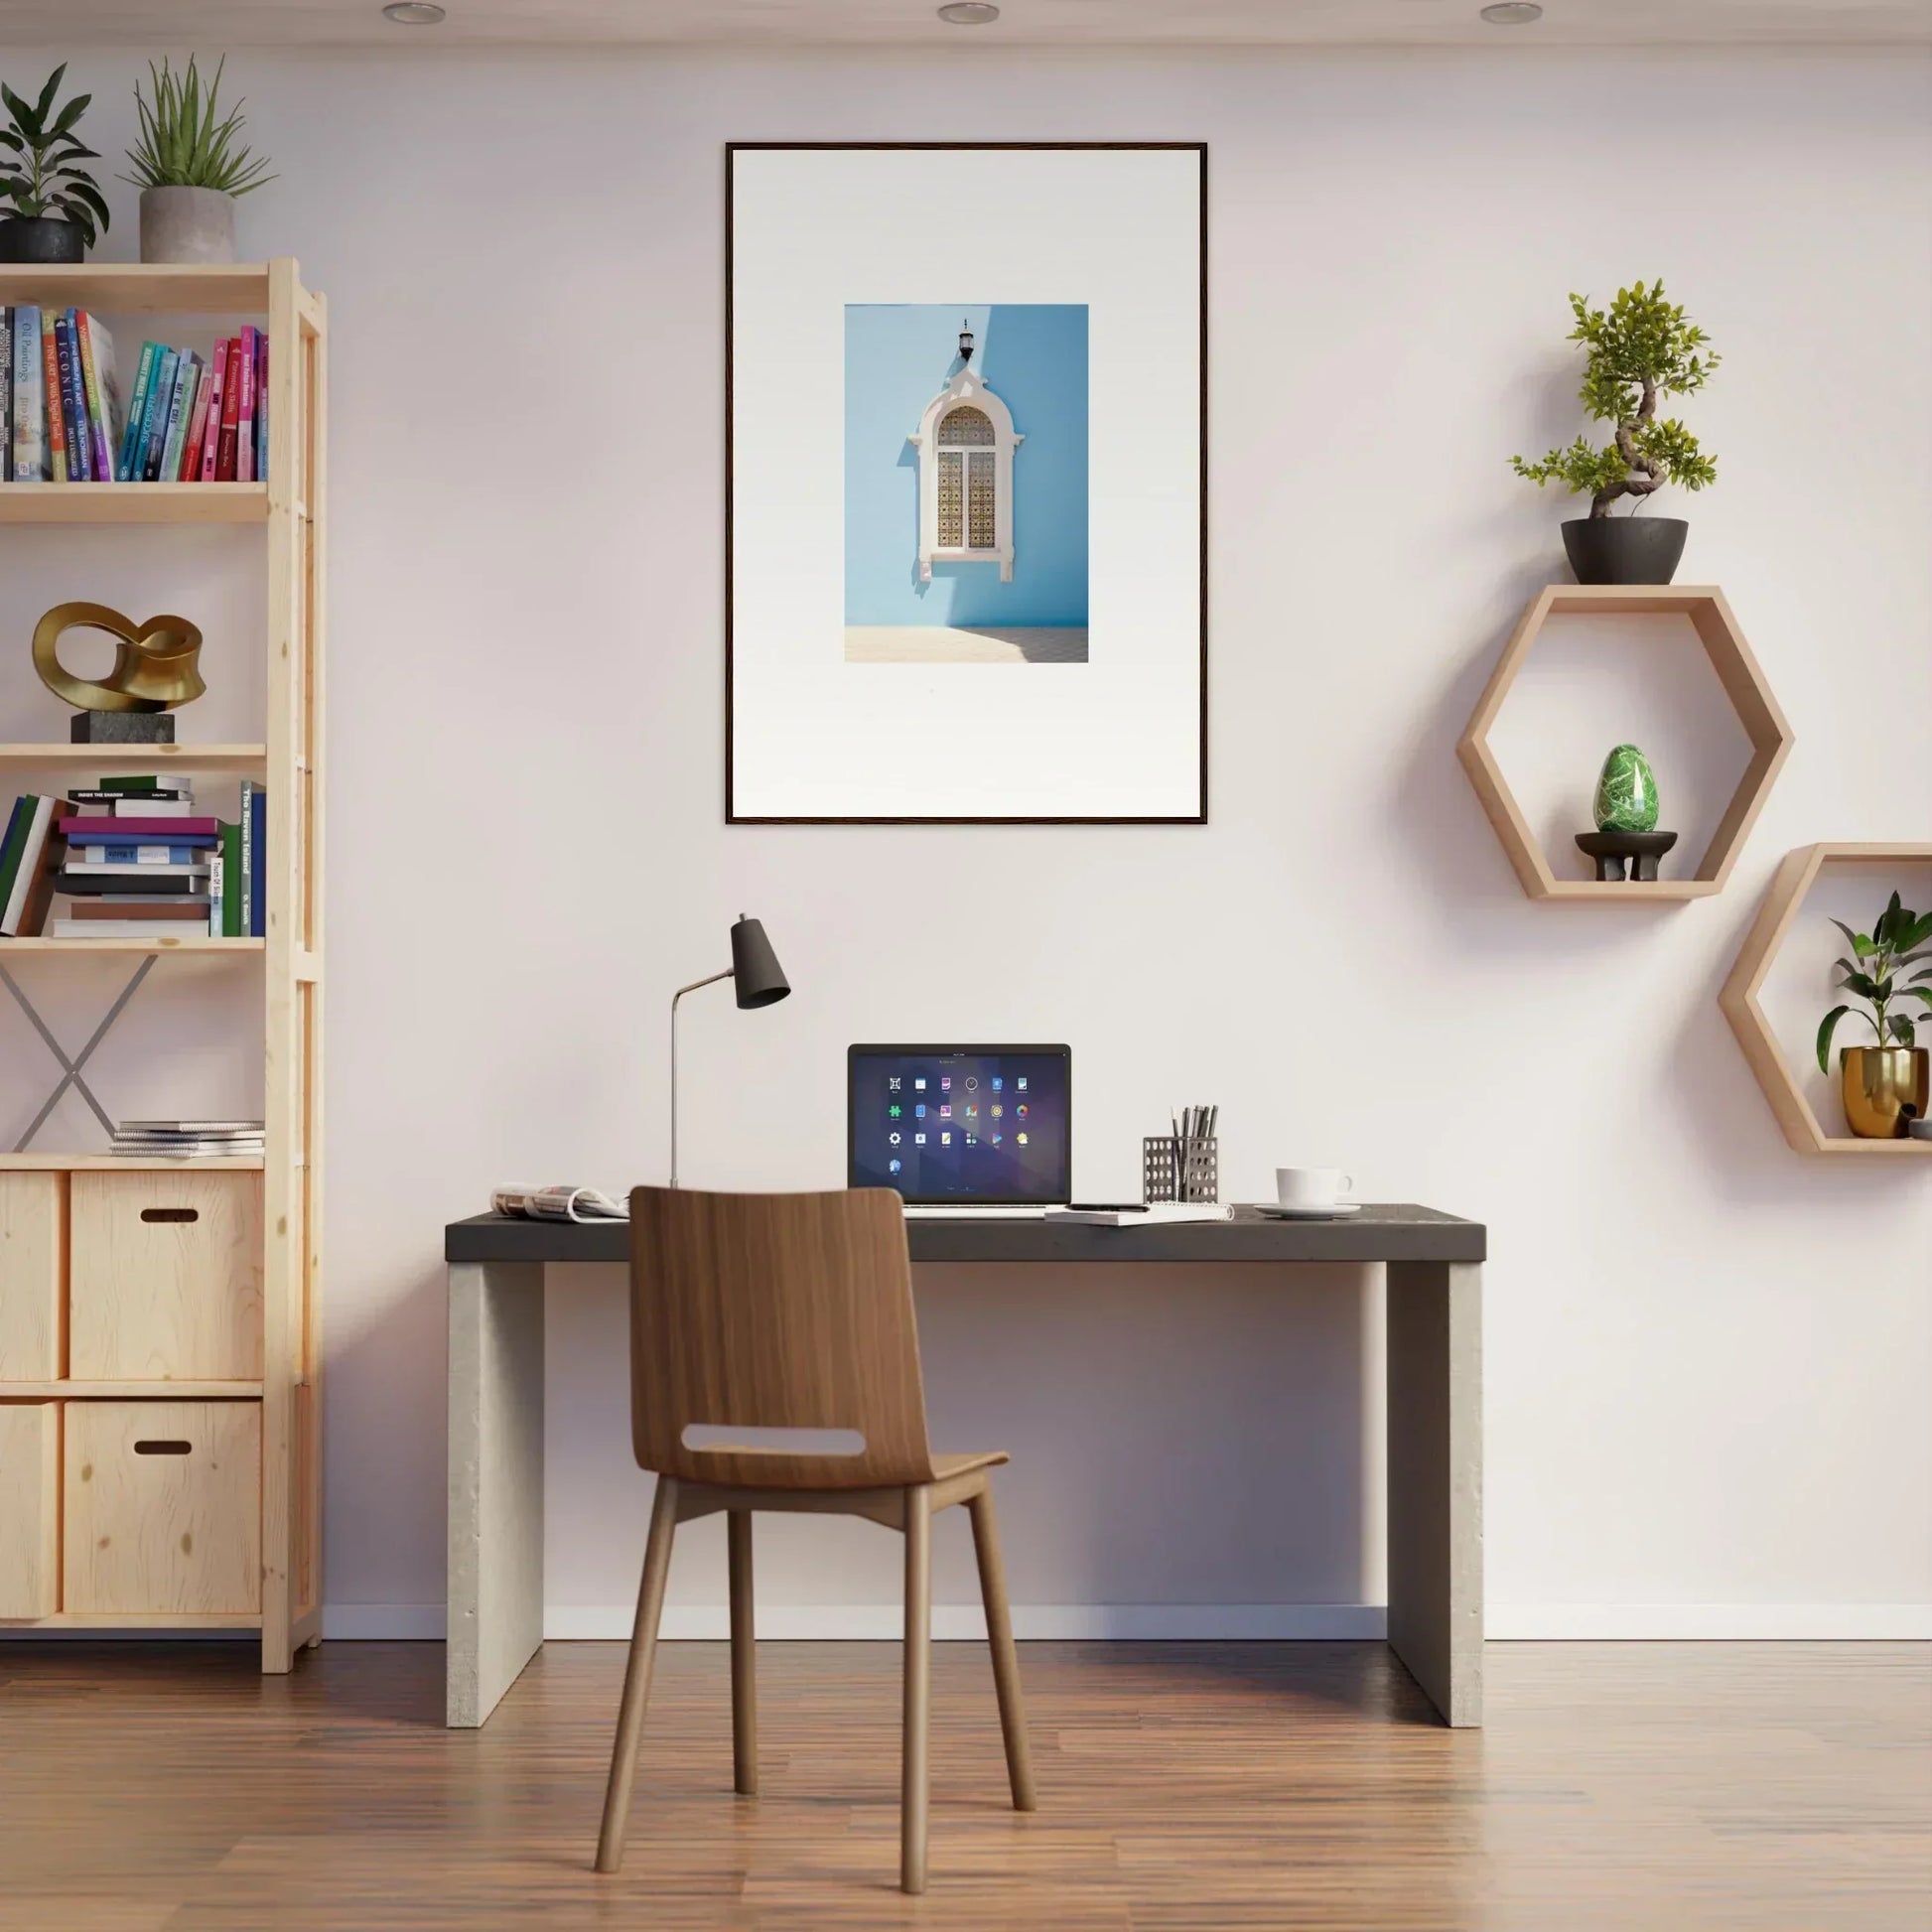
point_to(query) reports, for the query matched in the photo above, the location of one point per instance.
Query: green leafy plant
(1899, 940)
(1640, 350)
(38, 176)
(185, 141)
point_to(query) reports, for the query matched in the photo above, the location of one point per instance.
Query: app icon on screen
(945, 1083)
(945, 1139)
(972, 1081)
(893, 1110)
(1021, 1111)
(894, 1138)
(946, 1112)
(998, 1110)
(891, 1084)
(997, 1083)
(970, 1141)
(919, 1083)
(891, 1167)
(1020, 1085)
(918, 1140)
(996, 1139)
(1021, 1137)
(918, 1110)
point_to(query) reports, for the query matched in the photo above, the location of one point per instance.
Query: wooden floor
(1651, 1786)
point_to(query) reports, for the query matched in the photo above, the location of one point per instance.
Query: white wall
(1707, 1359)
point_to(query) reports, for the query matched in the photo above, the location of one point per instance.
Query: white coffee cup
(1311, 1186)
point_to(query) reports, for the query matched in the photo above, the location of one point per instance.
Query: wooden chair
(794, 1312)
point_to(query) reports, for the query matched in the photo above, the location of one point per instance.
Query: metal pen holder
(1179, 1169)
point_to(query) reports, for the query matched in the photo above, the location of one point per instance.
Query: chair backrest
(764, 1312)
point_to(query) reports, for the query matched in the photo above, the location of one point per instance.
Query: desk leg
(495, 1610)
(1434, 1348)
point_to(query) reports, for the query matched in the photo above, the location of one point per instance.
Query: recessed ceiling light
(414, 13)
(1512, 12)
(969, 13)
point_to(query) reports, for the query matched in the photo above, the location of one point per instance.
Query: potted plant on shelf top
(1885, 1086)
(53, 209)
(189, 168)
(1639, 350)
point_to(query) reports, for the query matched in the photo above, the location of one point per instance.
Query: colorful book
(73, 409)
(229, 862)
(124, 804)
(57, 414)
(6, 396)
(136, 831)
(103, 393)
(178, 410)
(261, 405)
(244, 464)
(225, 459)
(33, 879)
(167, 388)
(133, 929)
(217, 393)
(254, 855)
(137, 405)
(181, 905)
(91, 882)
(30, 439)
(135, 854)
(190, 466)
(16, 836)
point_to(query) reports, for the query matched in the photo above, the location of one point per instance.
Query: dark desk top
(1383, 1231)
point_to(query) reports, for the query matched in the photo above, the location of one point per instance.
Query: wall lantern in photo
(965, 443)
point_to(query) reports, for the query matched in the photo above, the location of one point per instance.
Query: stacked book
(187, 1140)
(136, 859)
(188, 418)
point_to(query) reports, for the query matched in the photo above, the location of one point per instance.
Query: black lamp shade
(756, 977)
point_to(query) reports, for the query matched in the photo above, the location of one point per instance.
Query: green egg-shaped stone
(1626, 793)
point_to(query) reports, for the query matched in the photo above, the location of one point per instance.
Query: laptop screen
(972, 1125)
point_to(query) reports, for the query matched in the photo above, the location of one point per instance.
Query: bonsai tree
(1899, 939)
(38, 178)
(1639, 350)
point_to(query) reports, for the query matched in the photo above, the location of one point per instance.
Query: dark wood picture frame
(732, 150)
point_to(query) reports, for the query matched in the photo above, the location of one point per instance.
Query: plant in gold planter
(1639, 350)
(1885, 1086)
(189, 168)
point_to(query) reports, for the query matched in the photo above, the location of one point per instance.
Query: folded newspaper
(558, 1204)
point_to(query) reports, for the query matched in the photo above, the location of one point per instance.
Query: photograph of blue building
(966, 483)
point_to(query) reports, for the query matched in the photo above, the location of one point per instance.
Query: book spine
(230, 414)
(217, 918)
(139, 855)
(37, 825)
(29, 450)
(98, 374)
(190, 466)
(5, 395)
(17, 823)
(183, 401)
(217, 393)
(57, 415)
(244, 466)
(261, 406)
(154, 431)
(137, 404)
(230, 893)
(247, 885)
(73, 407)
(258, 868)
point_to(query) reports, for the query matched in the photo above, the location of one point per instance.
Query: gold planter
(1881, 1085)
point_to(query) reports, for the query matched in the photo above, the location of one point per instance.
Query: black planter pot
(1624, 549)
(28, 238)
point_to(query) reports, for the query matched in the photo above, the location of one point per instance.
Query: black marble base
(123, 727)
(1612, 851)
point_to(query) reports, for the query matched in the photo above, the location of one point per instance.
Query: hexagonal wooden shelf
(1738, 999)
(1743, 684)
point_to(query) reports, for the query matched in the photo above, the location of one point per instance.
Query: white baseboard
(1177, 1622)
(1708, 1622)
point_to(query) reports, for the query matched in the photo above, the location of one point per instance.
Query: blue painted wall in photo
(898, 357)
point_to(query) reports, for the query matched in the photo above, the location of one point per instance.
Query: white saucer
(1270, 1210)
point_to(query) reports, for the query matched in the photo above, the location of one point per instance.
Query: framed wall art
(966, 482)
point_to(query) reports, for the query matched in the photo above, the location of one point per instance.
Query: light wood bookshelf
(288, 509)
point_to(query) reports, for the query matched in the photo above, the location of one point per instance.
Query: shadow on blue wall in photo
(898, 357)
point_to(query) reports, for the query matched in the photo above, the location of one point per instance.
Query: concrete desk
(1435, 1412)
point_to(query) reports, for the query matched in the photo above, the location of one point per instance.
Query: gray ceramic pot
(186, 225)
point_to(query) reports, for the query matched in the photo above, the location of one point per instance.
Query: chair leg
(1006, 1660)
(745, 1680)
(637, 1676)
(914, 1771)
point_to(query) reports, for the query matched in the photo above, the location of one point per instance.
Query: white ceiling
(1058, 23)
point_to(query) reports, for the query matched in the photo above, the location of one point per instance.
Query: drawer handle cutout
(170, 1213)
(164, 1446)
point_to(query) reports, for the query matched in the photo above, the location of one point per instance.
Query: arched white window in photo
(966, 442)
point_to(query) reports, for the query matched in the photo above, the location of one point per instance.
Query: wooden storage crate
(166, 1280)
(162, 1507)
(32, 1271)
(30, 1508)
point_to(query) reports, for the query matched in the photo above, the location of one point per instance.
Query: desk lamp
(759, 980)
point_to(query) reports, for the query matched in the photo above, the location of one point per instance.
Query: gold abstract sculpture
(154, 662)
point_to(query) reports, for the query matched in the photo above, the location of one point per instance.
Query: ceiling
(1055, 23)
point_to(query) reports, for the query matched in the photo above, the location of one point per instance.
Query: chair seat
(944, 1466)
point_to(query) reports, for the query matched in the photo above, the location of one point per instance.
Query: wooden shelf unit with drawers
(160, 1339)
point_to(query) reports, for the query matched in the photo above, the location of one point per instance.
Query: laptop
(980, 1129)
